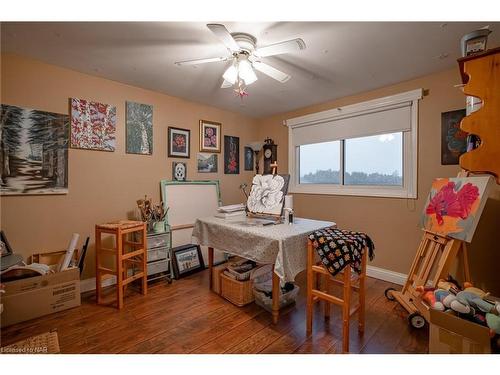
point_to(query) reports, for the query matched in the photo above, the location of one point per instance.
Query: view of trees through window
(373, 160)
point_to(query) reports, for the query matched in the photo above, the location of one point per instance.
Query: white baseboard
(88, 285)
(386, 275)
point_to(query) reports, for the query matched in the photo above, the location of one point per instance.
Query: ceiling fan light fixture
(246, 72)
(231, 74)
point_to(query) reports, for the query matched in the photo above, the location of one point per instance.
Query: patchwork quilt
(338, 248)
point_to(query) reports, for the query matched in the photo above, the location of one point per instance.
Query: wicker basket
(239, 293)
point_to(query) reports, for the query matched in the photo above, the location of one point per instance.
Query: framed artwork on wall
(179, 171)
(93, 125)
(187, 259)
(248, 155)
(453, 139)
(207, 163)
(33, 151)
(231, 155)
(179, 142)
(210, 136)
(139, 128)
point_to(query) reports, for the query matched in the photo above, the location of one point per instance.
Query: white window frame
(410, 149)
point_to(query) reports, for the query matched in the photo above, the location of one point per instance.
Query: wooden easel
(433, 261)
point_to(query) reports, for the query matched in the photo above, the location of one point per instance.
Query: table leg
(210, 265)
(276, 297)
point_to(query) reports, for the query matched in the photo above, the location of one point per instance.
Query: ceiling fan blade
(224, 36)
(282, 47)
(226, 84)
(278, 75)
(201, 61)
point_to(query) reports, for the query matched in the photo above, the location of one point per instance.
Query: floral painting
(207, 163)
(231, 155)
(454, 206)
(139, 126)
(267, 194)
(210, 136)
(93, 125)
(33, 151)
(453, 139)
(179, 142)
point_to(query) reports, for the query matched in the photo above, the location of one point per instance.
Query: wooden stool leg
(362, 295)
(346, 309)
(119, 269)
(144, 288)
(97, 265)
(326, 289)
(309, 308)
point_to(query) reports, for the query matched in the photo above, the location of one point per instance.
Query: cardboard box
(38, 296)
(449, 334)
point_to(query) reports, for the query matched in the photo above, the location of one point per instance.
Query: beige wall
(103, 185)
(391, 222)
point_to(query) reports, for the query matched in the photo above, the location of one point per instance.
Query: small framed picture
(248, 159)
(179, 171)
(210, 136)
(207, 163)
(231, 155)
(187, 259)
(178, 142)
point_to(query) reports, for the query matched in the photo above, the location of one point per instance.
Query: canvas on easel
(267, 195)
(450, 217)
(454, 206)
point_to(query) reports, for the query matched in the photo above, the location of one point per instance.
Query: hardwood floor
(185, 317)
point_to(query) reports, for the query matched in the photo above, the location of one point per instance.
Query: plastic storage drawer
(157, 267)
(157, 254)
(159, 240)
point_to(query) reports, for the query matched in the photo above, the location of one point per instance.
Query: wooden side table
(128, 254)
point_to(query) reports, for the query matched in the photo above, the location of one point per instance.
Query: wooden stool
(124, 260)
(344, 278)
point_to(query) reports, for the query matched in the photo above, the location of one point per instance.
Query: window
(366, 149)
(320, 163)
(374, 160)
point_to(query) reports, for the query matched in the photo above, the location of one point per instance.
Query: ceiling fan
(245, 57)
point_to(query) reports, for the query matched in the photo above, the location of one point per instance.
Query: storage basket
(286, 299)
(240, 293)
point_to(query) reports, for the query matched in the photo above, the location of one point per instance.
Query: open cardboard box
(449, 334)
(33, 297)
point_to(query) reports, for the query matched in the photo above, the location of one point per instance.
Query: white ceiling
(341, 58)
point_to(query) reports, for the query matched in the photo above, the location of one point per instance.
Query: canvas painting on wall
(139, 124)
(231, 155)
(207, 163)
(93, 125)
(454, 206)
(248, 154)
(179, 141)
(33, 151)
(453, 139)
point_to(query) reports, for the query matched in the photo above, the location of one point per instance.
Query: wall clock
(270, 155)
(179, 171)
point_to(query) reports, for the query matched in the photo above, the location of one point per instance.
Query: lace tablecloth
(282, 244)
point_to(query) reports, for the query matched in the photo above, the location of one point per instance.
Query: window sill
(361, 191)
